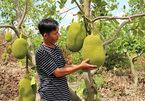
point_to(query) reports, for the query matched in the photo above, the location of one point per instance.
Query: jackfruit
(27, 92)
(8, 36)
(19, 48)
(4, 55)
(9, 49)
(75, 37)
(93, 49)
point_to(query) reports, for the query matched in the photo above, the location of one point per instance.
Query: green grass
(99, 80)
(140, 66)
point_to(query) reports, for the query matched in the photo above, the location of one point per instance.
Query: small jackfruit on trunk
(4, 55)
(27, 92)
(9, 49)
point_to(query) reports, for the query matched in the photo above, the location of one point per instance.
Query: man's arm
(69, 69)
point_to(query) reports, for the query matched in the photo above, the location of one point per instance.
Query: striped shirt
(47, 61)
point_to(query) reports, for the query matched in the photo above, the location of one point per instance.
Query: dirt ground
(118, 85)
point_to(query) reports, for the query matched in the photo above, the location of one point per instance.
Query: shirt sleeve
(46, 63)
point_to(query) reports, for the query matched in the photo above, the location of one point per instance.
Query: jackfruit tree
(92, 14)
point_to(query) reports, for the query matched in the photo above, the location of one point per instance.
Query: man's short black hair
(47, 25)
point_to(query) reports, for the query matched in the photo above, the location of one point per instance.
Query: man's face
(53, 36)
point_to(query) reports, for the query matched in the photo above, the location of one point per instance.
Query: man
(51, 66)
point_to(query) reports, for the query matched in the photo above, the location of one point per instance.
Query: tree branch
(17, 10)
(10, 26)
(115, 17)
(24, 14)
(78, 6)
(68, 10)
(137, 55)
(116, 33)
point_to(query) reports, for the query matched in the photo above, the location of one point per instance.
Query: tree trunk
(74, 96)
(86, 73)
(133, 71)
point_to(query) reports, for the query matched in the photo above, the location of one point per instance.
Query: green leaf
(46, 15)
(103, 3)
(33, 82)
(116, 22)
(33, 68)
(98, 2)
(20, 63)
(24, 36)
(124, 7)
(88, 20)
(135, 32)
(140, 32)
(72, 1)
(64, 1)
(61, 6)
(85, 91)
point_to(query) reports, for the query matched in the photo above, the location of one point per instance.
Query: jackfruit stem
(92, 32)
(27, 71)
(21, 35)
(78, 20)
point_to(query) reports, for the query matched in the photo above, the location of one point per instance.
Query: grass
(140, 67)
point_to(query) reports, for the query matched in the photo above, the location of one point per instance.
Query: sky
(69, 16)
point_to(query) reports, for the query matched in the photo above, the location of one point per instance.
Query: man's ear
(45, 35)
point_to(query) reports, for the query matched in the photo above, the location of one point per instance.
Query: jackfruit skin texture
(19, 48)
(4, 55)
(9, 49)
(93, 49)
(8, 36)
(27, 92)
(75, 36)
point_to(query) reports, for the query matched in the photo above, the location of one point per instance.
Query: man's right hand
(85, 65)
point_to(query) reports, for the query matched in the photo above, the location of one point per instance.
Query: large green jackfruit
(27, 92)
(75, 37)
(8, 36)
(9, 49)
(19, 48)
(93, 49)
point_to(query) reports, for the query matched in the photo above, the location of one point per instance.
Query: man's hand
(69, 69)
(85, 65)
